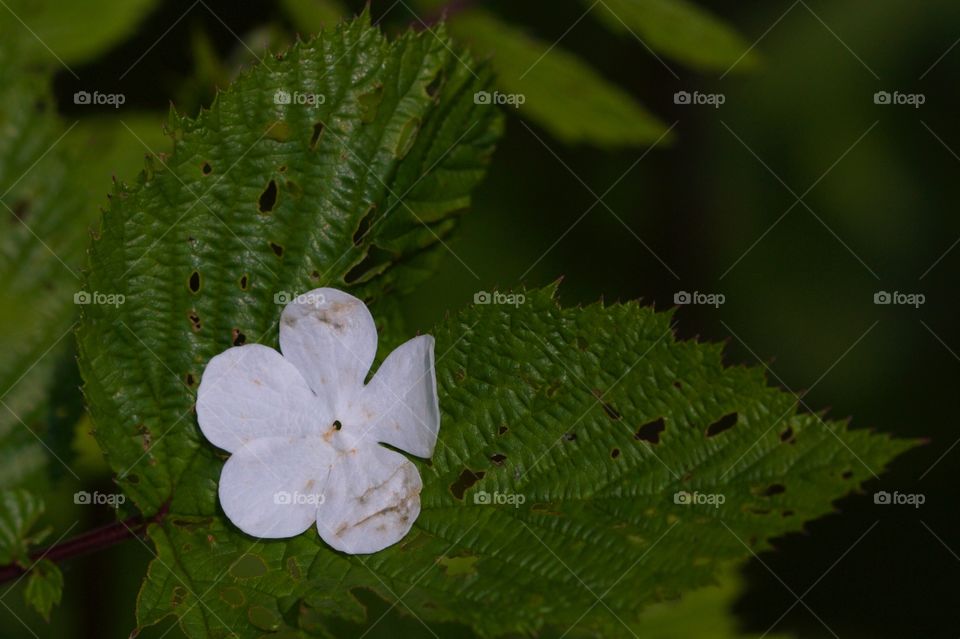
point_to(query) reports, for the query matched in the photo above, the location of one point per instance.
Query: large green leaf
(63, 31)
(259, 199)
(560, 91)
(598, 417)
(679, 29)
(50, 188)
(41, 246)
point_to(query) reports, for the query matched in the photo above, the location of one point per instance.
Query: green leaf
(19, 512)
(51, 186)
(679, 29)
(561, 92)
(41, 248)
(74, 32)
(706, 612)
(552, 484)
(259, 199)
(44, 587)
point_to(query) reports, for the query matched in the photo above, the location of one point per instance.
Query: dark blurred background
(798, 199)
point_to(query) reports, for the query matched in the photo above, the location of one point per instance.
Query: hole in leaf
(190, 379)
(435, 85)
(268, 198)
(206, 169)
(678, 385)
(244, 282)
(317, 132)
(787, 434)
(194, 282)
(847, 474)
(503, 429)
(724, 423)
(570, 437)
(580, 342)
(615, 453)
(773, 489)
(466, 479)
(315, 275)
(498, 459)
(277, 249)
(650, 432)
(133, 479)
(364, 225)
(177, 596)
(239, 339)
(376, 261)
(337, 425)
(611, 412)
(194, 320)
(21, 208)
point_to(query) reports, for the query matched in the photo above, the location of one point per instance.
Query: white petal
(400, 406)
(330, 337)
(251, 391)
(371, 500)
(271, 488)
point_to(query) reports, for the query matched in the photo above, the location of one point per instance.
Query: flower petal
(330, 337)
(271, 488)
(400, 406)
(251, 391)
(371, 500)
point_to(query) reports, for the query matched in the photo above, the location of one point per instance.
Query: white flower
(303, 423)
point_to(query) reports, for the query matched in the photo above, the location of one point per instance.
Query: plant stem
(84, 543)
